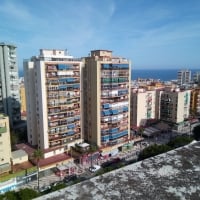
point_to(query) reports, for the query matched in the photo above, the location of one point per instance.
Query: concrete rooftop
(172, 175)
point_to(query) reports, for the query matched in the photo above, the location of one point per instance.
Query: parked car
(94, 168)
(56, 183)
(45, 188)
(69, 178)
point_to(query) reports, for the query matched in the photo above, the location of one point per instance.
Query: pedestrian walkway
(44, 181)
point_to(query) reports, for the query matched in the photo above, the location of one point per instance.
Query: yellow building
(23, 98)
(195, 102)
(5, 146)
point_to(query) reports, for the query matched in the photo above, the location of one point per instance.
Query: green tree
(37, 155)
(9, 195)
(196, 133)
(153, 150)
(26, 194)
(180, 141)
(140, 131)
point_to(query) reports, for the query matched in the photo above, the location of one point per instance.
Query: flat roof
(18, 154)
(83, 145)
(172, 175)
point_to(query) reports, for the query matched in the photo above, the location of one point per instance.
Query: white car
(94, 168)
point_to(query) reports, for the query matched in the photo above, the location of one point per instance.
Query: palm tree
(37, 155)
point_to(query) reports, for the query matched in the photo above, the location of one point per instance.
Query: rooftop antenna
(66, 52)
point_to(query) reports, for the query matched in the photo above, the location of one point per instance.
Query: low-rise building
(5, 146)
(19, 156)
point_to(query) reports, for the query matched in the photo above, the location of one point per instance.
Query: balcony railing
(3, 129)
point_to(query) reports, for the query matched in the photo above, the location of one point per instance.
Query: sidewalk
(44, 181)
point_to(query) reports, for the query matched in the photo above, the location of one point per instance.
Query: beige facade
(19, 156)
(53, 95)
(22, 98)
(5, 146)
(175, 105)
(106, 98)
(143, 106)
(195, 102)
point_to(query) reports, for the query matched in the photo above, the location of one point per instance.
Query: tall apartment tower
(9, 87)
(5, 146)
(106, 98)
(184, 77)
(53, 96)
(143, 106)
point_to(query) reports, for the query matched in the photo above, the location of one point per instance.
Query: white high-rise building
(53, 96)
(184, 77)
(196, 77)
(9, 87)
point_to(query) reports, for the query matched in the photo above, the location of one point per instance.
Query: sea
(162, 74)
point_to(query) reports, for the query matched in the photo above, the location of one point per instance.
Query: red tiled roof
(44, 161)
(53, 159)
(27, 148)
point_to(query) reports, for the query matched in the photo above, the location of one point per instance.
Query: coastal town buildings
(106, 98)
(53, 96)
(9, 88)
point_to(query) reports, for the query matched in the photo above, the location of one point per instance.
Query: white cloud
(15, 11)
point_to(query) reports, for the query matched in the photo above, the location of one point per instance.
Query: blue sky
(152, 33)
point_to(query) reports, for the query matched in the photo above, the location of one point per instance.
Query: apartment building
(195, 102)
(143, 106)
(184, 77)
(5, 146)
(9, 87)
(175, 105)
(106, 98)
(53, 96)
(196, 77)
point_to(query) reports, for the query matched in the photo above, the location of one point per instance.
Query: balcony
(3, 129)
(116, 65)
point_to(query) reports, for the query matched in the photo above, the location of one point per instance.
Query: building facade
(22, 98)
(143, 106)
(106, 98)
(184, 77)
(196, 78)
(5, 146)
(9, 88)
(195, 102)
(53, 96)
(175, 105)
